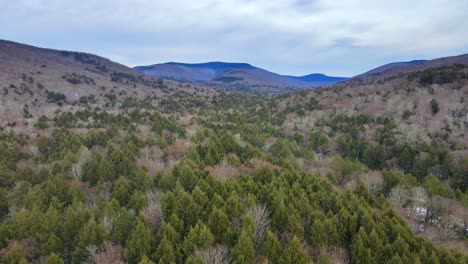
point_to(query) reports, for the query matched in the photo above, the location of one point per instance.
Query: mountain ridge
(234, 72)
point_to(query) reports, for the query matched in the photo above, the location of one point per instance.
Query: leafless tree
(150, 158)
(373, 180)
(107, 223)
(440, 209)
(105, 254)
(152, 153)
(216, 254)
(261, 219)
(440, 234)
(339, 255)
(461, 213)
(398, 196)
(153, 210)
(83, 157)
(92, 198)
(418, 197)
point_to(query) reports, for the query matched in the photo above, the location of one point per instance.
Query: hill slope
(409, 124)
(393, 69)
(36, 81)
(389, 66)
(402, 92)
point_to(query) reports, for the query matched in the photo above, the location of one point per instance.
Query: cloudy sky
(341, 38)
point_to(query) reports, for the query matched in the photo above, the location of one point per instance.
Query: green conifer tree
(295, 253)
(140, 242)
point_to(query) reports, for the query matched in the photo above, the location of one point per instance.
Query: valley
(102, 163)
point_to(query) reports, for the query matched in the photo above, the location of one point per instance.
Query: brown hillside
(36, 81)
(404, 98)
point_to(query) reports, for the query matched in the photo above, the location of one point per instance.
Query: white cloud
(288, 36)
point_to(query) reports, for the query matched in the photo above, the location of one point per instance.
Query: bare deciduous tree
(152, 153)
(461, 213)
(108, 223)
(150, 158)
(153, 210)
(398, 196)
(83, 157)
(439, 234)
(339, 255)
(440, 209)
(105, 254)
(217, 254)
(418, 197)
(373, 180)
(261, 219)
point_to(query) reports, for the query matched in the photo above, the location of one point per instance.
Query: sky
(296, 37)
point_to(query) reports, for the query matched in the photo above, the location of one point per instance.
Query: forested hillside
(368, 173)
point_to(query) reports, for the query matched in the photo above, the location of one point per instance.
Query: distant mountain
(234, 74)
(318, 77)
(200, 72)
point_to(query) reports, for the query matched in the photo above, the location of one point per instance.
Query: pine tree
(14, 256)
(376, 244)
(90, 168)
(121, 192)
(233, 208)
(169, 232)
(406, 159)
(71, 229)
(53, 259)
(202, 201)
(219, 224)
(52, 245)
(123, 226)
(105, 171)
(91, 234)
(324, 259)
(187, 209)
(271, 247)
(317, 234)
(243, 251)
(187, 177)
(139, 243)
(195, 259)
(145, 260)
(137, 201)
(359, 251)
(122, 163)
(400, 247)
(166, 252)
(294, 225)
(295, 253)
(199, 237)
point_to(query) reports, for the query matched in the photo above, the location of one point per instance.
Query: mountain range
(243, 76)
(229, 74)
